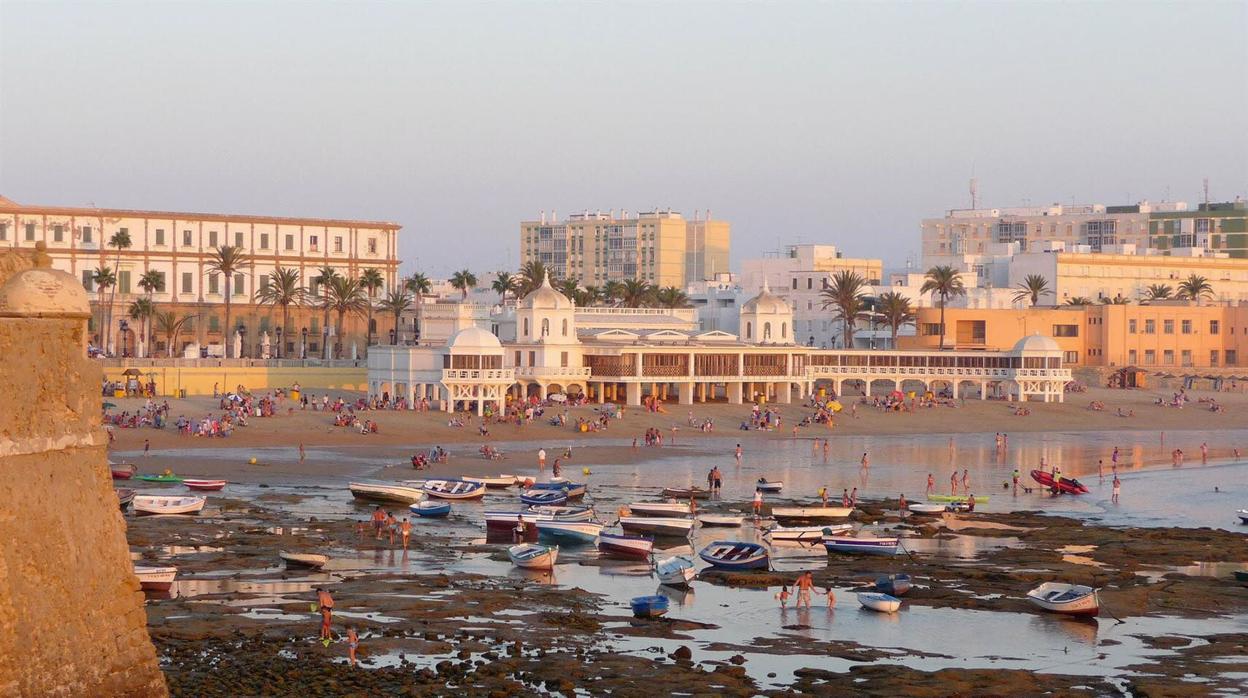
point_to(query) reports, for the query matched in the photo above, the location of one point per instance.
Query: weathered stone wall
(72, 621)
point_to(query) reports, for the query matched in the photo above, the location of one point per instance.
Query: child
(783, 596)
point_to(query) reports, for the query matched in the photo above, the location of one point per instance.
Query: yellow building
(1166, 334)
(658, 247)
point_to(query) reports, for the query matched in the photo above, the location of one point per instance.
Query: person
(931, 484)
(901, 503)
(738, 453)
(953, 482)
(783, 596)
(147, 448)
(805, 582)
(353, 642)
(758, 503)
(541, 458)
(407, 531)
(325, 602)
(1117, 489)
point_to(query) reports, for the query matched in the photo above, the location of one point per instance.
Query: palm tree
(419, 285)
(344, 295)
(226, 261)
(371, 282)
(503, 284)
(846, 297)
(1079, 300)
(1033, 286)
(896, 311)
(142, 309)
(1195, 288)
(945, 282)
(463, 281)
(568, 287)
(170, 325)
(283, 290)
(1158, 292)
(324, 277)
(396, 302)
(635, 293)
(104, 278)
(531, 275)
(671, 297)
(612, 292)
(121, 241)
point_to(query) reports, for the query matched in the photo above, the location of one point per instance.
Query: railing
(552, 372)
(478, 374)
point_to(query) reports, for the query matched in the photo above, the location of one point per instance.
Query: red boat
(122, 471)
(204, 485)
(1064, 485)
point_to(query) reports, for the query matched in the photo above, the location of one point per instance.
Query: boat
(631, 547)
(1070, 599)
(1243, 516)
(573, 531)
(867, 545)
(497, 482)
(917, 508)
(574, 490)
(313, 561)
(454, 489)
(125, 495)
(164, 477)
(686, 493)
(811, 513)
(649, 606)
(723, 520)
(893, 584)
(386, 492)
(810, 534)
(979, 498)
(122, 471)
(735, 555)
(765, 485)
(533, 556)
(507, 519)
(659, 508)
(204, 485)
(430, 509)
(1064, 485)
(536, 498)
(156, 578)
(656, 525)
(676, 571)
(879, 602)
(158, 504)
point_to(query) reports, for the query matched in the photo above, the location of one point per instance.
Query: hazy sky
(843, 123)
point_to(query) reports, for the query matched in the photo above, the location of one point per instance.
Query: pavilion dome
(766, 303)
(545, 297)
(474, 340)
(1037, 342)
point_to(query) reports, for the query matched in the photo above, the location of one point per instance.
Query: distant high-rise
(658, 247)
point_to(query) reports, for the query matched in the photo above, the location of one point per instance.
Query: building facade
(659, 247)
(177, 247)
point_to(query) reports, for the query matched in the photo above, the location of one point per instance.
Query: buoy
(584, 471)
(252, 461)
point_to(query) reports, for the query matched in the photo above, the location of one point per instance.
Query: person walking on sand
(758, 503)
(406, 528)
(541, 458)
(353, 642)
(1117, 489)
(931, 484)
(325, 604)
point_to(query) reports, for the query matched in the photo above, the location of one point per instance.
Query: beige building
(178, 245)
(658, 247)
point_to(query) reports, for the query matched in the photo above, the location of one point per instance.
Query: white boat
(576, 531)
(671, 508)
(675, 571)
(406, 493)
(809, 534)
(533, 556)
(879, 602)
(917, 508)
(146, 504)
(496, 482)
(1070, 599)
(656, 525)
(310, 560)
(454, 489)
(156, 578)
(811, 513)
(724, 520)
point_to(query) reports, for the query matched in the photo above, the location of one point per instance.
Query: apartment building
(177, 246)
(658, 247)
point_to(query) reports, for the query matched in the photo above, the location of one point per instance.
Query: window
(1167, 326)
(58, 233)
(290, 242)
(1150, 327)
(160, 236)
(187, 282)
(1065, 330)
(264, 241)
(1213, 357)
(1130, 326)
(88, 280)
(372, 245)
(1167, 357)
(1186, 326)
(1132, 356)
(313, 241)
(337, 243)
(212, 238)
(1230, 357)
(1214, 327)
(1071, 357)
(187, 238)
(214, 284)
(30, 232)
(238, 239)
(1186, 356)
(1150, 357)
(239, 287)
(86, 234)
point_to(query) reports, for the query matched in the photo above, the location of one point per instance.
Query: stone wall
(72, 621)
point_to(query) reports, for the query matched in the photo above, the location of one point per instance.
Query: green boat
(162, 478)
(955, 498)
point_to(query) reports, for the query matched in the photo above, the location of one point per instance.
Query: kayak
(955, 498)
(1066, 485)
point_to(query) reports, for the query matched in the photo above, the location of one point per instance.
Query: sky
(838, 123)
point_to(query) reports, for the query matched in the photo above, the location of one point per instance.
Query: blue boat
(649, 606)
(736, 555)
(430, 509)
(572, 489)
(537, 498)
